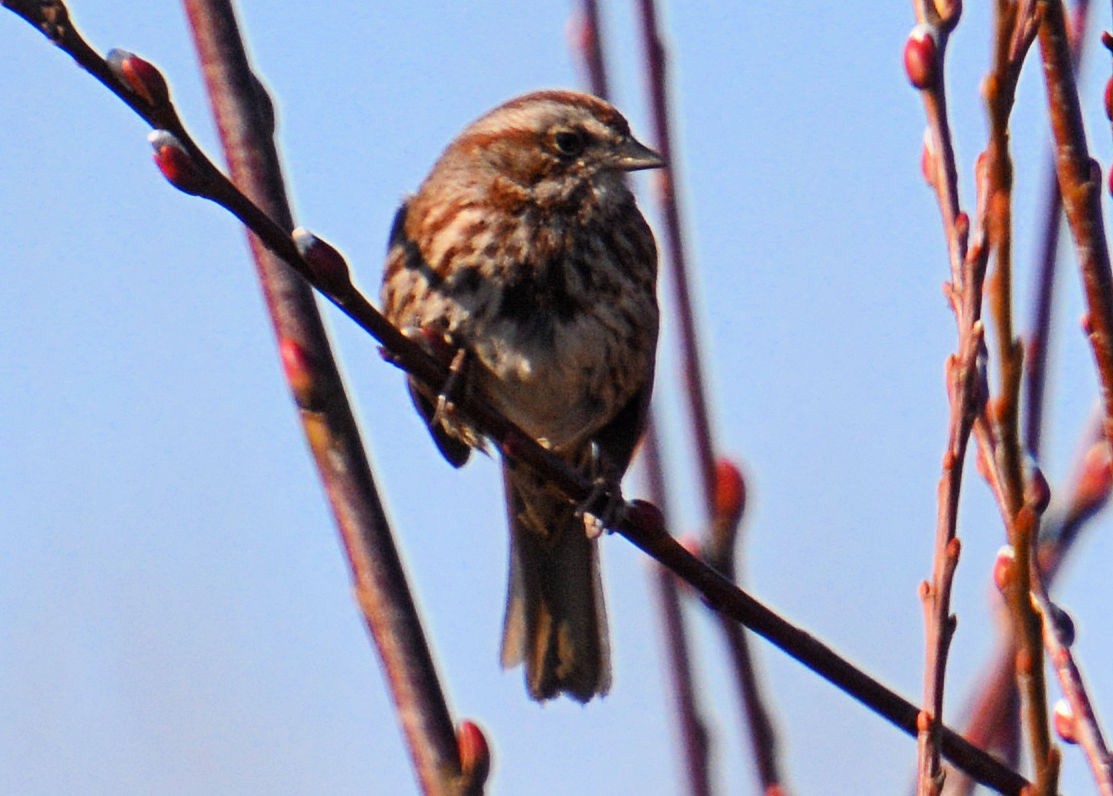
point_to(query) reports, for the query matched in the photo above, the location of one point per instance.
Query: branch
(1080, 185)
(311, 372)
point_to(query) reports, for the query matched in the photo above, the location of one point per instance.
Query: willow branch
(1080, 184)
(1014, 35)
(327, 420)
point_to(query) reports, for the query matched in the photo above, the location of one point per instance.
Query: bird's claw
(605, 488)
(445, 405)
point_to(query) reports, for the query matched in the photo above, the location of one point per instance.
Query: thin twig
(379, 578)
(1080, 183)
(755, 711)
(1046, 266)
(1013, 38)
(665, 180)
(694, 738)
(925, 53)
(1084, 723)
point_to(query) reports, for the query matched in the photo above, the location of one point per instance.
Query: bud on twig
(142, 77)
(1061, 624)
(1094, 481)
(921, 57)
(1004, 568)
(475, 754)
(328, 265)
(176, 164)
(1064, 722)
(296, 366)
(1037, 492)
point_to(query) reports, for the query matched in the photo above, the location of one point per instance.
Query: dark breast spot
(538, 291)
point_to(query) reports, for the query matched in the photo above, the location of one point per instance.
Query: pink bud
(1095, 480)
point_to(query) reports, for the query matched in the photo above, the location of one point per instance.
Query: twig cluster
(1016, 481)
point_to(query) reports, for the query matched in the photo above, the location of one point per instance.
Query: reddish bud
(691, 544)
(924, 721)
(1109, 99)
(1037, 492)
(645, 516)
(1107, 40)
(142, 77)
(1004, 568)
(176, 164)
(1063, 718)
(1095, 479)
(475, 754)
(730, 491)
(921, 56)
(329, 268)
(297, 367)
(1062, 624)
(927, 158)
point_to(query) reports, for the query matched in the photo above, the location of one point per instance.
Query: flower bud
(142, 77)
(1063, 718)
(176, 164)
(330, 269)
(1004, 568)
(475, 753)
(921, 57)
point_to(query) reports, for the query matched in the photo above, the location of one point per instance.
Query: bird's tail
(555, 623)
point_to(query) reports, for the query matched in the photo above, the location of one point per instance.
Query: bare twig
(330, 428)
(1058, 633)
(754, 704)
(692, 728)
(1046, 267)
(924, 60)
(694, 737)
(310, 369)
(665, 180)
(1080, 183)
(1014, 35)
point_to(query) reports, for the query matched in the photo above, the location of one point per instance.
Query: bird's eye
(570, 142)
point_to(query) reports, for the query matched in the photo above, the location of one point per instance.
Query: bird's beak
(632, 155)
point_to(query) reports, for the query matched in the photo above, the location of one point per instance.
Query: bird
(524, 252)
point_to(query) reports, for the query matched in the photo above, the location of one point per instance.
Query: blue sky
(177, 616)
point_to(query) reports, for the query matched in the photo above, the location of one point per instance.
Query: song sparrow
(525, 249)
